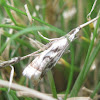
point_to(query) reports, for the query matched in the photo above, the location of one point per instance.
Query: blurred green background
(61, 16)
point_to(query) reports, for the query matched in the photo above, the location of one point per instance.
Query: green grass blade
(13, 96)
(82, 74)
(71, 73)
(10, 15)
(11, 26)
(52, 84)
(8, 12)
(91, 58)
(95, 91)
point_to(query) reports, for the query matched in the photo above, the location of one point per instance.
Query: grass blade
(95, 91)
(52, 84)
(83, 74)
(71, 73)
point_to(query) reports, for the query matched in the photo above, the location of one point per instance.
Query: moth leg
(46, 37)
(67, 51)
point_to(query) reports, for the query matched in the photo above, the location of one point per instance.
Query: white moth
(48, 58)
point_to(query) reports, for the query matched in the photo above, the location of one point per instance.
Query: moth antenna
(87, 23)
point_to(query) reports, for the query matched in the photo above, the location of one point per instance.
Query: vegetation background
(77, 69)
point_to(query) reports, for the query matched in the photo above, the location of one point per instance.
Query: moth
(50, 56)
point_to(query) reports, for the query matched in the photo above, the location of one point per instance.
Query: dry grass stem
(92, 8)
(79, 98)
(28, 90)
(27, 94)
(28, 14)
